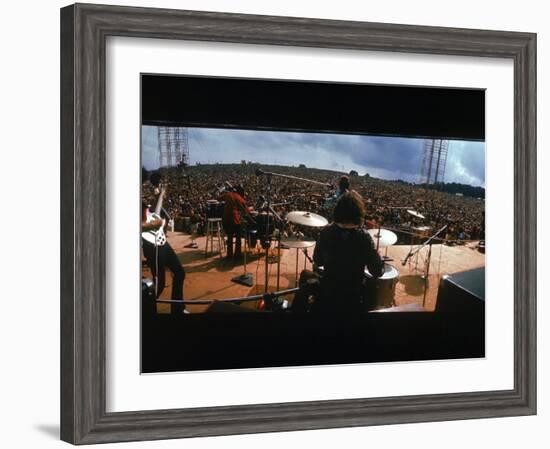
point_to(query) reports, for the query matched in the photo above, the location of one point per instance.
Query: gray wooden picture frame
(84, 29)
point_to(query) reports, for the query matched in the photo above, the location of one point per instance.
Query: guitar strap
(156, 270)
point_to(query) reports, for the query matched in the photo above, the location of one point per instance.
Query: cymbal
(415, 214)
(307, 219)
(295, 243)
(386, 237)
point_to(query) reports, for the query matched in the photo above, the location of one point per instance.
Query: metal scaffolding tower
(434, 161)
(173, 146)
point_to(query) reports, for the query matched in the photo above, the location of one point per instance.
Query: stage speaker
(462, 293)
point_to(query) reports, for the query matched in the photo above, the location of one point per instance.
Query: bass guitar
(157, 236)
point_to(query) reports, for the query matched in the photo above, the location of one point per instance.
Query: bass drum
(380, 292)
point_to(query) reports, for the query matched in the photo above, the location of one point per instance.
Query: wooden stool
(214, 231)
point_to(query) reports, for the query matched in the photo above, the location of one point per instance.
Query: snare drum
(382, 289)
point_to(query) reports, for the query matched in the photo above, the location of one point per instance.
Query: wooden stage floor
(209, 277)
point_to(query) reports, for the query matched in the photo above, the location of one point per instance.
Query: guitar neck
(158, 207)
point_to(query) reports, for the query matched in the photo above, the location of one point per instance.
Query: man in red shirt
(234, 210)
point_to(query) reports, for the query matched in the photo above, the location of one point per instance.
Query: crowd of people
(189, 188)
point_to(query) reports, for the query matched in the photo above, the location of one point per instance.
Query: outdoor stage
(210, 277)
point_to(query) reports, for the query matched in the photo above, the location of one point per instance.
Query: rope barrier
(265, 296)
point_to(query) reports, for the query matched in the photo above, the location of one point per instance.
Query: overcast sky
(381, 157)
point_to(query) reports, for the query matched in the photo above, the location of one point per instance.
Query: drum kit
(381, 289)
(286, 232)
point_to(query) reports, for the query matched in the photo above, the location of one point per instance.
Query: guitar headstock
(160, 190)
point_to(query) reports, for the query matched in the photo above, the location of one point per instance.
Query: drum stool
(214, 232)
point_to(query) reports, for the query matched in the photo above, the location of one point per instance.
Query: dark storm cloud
(383, 157)
(398, 158)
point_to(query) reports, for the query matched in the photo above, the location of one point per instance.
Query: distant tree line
(464, 189)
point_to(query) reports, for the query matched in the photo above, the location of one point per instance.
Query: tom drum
(380, 291)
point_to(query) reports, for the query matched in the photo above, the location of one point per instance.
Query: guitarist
(159, 254)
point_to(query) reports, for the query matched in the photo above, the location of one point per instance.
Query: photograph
(315, 230)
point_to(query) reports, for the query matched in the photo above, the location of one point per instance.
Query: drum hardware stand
(307, 256)
(279, 257)
(385, 257)
(304, 250)
(426, 279)
(275, 258)
(269, 176)
(267, 242)
(297, 254)
(428, 260)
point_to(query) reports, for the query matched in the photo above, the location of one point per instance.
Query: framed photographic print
(298, 219)
(257, 223)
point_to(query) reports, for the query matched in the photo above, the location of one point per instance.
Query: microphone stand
(260, 172)
(246, 278)
(429, 242)
(279, 235)
(267, 243)
(412, 252)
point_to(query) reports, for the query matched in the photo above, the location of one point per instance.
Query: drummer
(344, 249)
(343, 187)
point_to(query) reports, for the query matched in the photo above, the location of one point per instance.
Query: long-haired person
(159, 255)
(344, 249)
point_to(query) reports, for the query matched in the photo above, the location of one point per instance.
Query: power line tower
(173, 146)
(434, 161)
